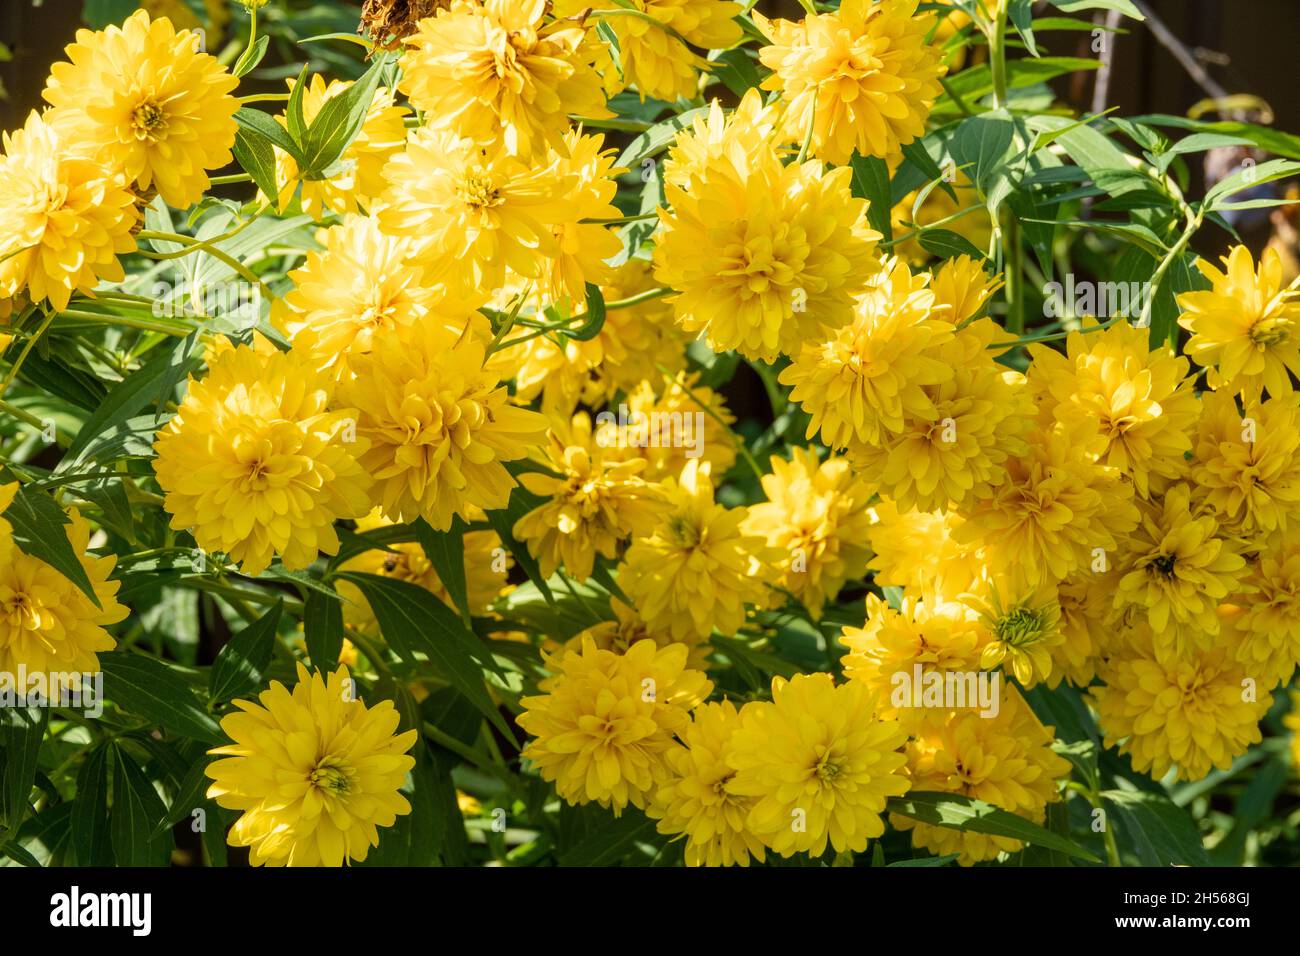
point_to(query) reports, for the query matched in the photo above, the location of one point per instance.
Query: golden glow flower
(257, 462)
(962, 287)
(819, 764)
(919, 550)
(1267, 621)
(653, 60)
(696, 802)
(863, 77)
(149, 103)
(359, 285)
(473, 212)
(47, 624)
(1139, 401)
(314, 771)
(699, 568)
(591, 508)
(1085, 610)
(605, 722)
(1177, 566)
(1189, 710)
(764, 256)
(982, 413)
(1024, 623)
(1246, 329)
(66, 217)
(869, 376)
(815, 520)
(1247, 466)
(670, 424)
(627, 629)
(360, 178)
(1006, 760)
(438, 427)
(495, 70)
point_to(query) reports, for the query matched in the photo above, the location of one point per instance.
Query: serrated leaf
(338, 122)
(39, 529)
(503, 521)
(414, 621)
(1159, 832)
(322, 623)
(871, 182)
(947, 244)
(612, 841)
(91, 840)
(148, 687)
(264, 125)
(240, 664)
(256, 156)
(446, 552)
(137, 809)
(21, 732)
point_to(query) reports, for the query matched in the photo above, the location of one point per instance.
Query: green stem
(997, 37)
(638, 299)
(22, 356)
(1193, 224)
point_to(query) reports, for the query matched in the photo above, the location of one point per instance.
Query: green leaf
(1021, 13)
(1248, 178)
(255, 154)
(1123, 6)
(446, 552)
(339, 121)
(871, 182)
(39, 530)
(947, 244)
(612, 841)
(148, 687)
(21, 731)
(736, 68)
(322, 623)
(264, 125)
(964, 813)
(91, 841)
(1265, 137)
(503, 521)
(239, 665)
(656, 138)
(414, 621)
(1155, 829)
(137, 809)
(925, 860)
(251, 56)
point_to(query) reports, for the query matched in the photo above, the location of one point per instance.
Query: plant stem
(997, 37)
(1193, 224)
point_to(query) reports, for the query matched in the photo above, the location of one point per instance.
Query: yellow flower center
(478, 191)
(683, 531)
(148, 119)
(19, 610)
(1269, 332)
(1020, 626)
(1165, 564)
(331, 777)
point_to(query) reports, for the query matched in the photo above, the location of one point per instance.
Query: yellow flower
(1024, 624)
(718, 137)
(816, 520)
(864, 77)
(66, 218)
(819, 763)
(627, 629)
(603, 724)
(471, 212)
(591, 508)
(1246, 329)
(581, 248)
(1188, 710)
(360, 180)
(1006, 760)
(1292, 722)
(630, 346)
(256, 462)
(1057, 511)
(148, 102)
(1085, 608)
(699, 568)
(357, 286)
(936, 635)
(919, 550)
(962, 287)
(438, 427)
(981, 414)
(655, 61)
(486, 568)
(315, 771)
(1139, 401)
(1267, 623)
(47, 624)
(1247, 467)
(493, 70)
(696, 802)
(1177, 567)
(862, 382)
(764, 256)
(670, 424)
